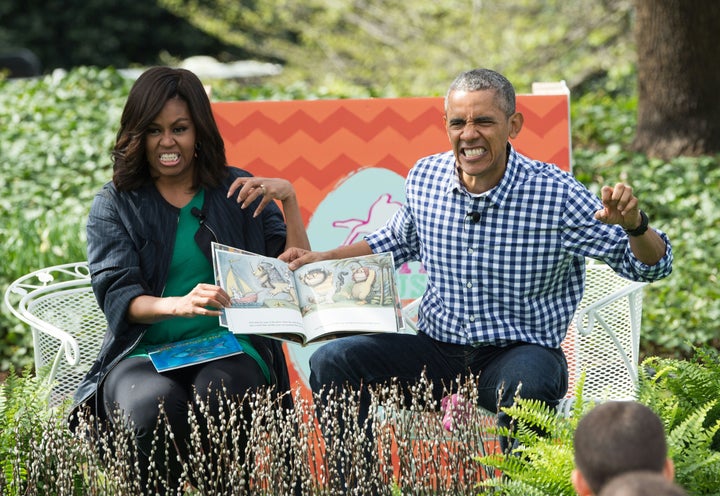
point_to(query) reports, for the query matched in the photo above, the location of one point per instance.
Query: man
(503, 239)
(618, 437)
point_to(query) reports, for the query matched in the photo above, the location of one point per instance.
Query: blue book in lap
(194, 351)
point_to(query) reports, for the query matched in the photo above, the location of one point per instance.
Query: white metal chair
(603, 340)
(67, 324)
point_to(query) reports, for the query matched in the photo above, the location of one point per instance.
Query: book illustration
(258, 283)
(239, 290)
(351, 282)
(276, 281)
(253, 280)
(194, 351)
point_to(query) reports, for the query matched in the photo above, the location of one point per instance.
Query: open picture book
(318, 301)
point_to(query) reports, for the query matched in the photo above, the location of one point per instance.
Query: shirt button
(471, 318)
(471, 251)
(469, 285)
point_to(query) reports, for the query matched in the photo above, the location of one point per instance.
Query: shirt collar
(500, 192)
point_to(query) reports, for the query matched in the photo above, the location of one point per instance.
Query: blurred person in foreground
(618, 437)
(642, 483)
(149, 250)
(503, 238)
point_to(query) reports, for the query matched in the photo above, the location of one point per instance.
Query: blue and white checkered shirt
(516, 273)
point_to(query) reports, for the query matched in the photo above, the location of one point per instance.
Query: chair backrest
(603, 339)
(66, 322)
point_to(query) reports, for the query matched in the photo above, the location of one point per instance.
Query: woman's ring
(264, 191)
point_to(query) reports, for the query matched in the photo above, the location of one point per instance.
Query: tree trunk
(678, 77)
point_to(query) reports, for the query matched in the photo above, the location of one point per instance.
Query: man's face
(478, 130)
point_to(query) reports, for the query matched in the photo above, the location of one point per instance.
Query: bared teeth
(169, 157)
(474, 152)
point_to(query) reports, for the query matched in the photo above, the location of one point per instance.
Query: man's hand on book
(297, 257)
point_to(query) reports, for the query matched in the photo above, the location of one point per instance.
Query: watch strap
(639, 230)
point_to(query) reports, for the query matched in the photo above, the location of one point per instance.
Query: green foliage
(23, 413)
(680, 386)
(542, 463)
(682, 392)
(70, 33)
(602, 119)
(682, 198)
(39, 456)
(415, 48)
(55, 141)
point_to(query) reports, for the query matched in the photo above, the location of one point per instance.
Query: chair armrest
(22, 292)
(590, 312)
(410, 312)
(67, 340)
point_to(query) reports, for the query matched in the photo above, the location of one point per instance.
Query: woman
(149, 250)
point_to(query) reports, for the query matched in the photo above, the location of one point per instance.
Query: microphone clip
(199, 214)
(472, 217)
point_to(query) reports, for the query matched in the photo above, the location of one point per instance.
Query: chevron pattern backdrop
(318, 143)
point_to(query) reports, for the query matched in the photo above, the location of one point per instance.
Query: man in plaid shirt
(503, 239)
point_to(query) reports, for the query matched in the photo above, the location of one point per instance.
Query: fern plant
(684, 393)
(544, 458)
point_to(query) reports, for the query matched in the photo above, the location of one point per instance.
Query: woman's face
(170, 144)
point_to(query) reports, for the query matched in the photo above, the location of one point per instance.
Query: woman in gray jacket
(149, 237)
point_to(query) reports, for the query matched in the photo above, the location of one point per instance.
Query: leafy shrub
(682, 198)
(23, 418)
(55, 141)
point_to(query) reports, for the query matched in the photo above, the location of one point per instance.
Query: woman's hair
(147, 97)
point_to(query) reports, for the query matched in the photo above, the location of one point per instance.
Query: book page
(262, 292)
(349, 296)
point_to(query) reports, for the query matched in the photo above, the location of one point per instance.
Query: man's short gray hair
(486, 79)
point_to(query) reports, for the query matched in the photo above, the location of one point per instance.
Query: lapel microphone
(200, 215)
(472, 217)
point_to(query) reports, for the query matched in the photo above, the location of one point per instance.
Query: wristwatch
(639, 230)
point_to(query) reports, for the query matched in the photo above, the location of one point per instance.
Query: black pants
(135, 389)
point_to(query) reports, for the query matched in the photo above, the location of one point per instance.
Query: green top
(188, 268)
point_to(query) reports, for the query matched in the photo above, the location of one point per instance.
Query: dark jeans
(136, 389)
(375, 359)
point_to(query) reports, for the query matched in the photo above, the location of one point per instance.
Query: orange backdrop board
(318, 143)
(347, 160)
